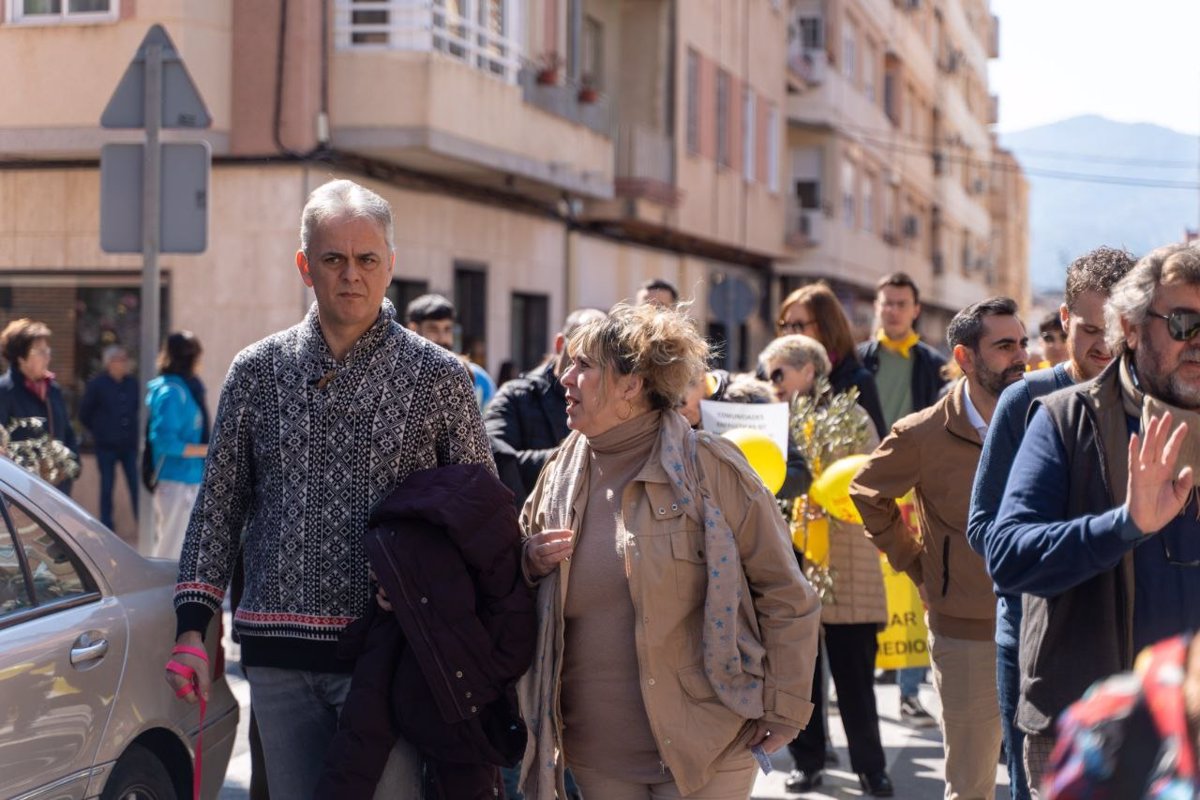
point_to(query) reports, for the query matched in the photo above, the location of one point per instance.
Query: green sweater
(894, 381)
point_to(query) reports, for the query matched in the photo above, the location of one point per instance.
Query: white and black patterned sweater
(303, 448)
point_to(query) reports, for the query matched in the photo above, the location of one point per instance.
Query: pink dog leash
(189, 675)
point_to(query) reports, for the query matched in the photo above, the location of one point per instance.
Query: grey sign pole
(154, 93)
(151, 279)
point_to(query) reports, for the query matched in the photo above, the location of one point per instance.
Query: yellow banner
(905, 641)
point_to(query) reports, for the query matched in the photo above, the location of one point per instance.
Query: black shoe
(876, 784)
(800, 780)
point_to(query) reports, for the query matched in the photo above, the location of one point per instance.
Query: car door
(62, 649)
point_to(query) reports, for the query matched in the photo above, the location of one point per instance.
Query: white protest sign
(770, 418)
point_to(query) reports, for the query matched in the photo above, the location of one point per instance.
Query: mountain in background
(1070, 217)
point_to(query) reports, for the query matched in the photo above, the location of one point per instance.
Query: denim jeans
(909, 680)
(106, 463)
(297, 713)
(1008, 683)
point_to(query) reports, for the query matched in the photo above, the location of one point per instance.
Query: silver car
(86, 625)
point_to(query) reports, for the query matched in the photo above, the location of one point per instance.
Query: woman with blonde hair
(676, 632)
(815, 311)
(855, 607)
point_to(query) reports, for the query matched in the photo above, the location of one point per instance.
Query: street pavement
(915, 759)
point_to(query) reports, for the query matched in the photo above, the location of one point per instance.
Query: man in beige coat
(935, 452)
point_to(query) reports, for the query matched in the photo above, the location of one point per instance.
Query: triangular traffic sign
(181, 103)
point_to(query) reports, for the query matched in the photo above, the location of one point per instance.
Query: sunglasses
(1182, 325)
(776, 376)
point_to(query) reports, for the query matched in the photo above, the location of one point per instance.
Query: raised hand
(1156, 494)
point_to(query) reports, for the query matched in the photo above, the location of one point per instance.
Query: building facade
(892, 165)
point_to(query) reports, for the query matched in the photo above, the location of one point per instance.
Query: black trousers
(851, 653)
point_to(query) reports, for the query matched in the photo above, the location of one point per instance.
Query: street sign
(183, 221)
(181, 103)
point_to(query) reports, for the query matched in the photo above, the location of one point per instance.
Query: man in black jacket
(110, 411)
(527, 419)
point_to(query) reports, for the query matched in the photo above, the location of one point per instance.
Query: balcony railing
(644, 154)
(808, 64)
(473, 31)
(805, 226)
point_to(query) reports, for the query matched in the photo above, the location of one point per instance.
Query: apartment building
(892, 165)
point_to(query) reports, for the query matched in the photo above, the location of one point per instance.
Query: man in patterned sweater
(316, 424)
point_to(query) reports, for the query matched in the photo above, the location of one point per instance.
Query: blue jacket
(1095, 589)
(176, 421)
(16, 402)
(1005, 433)
(109, 410)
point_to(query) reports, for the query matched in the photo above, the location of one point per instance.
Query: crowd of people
(450, 589)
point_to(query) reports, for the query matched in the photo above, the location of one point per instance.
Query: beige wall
(747, 39)
(79, 66)
(384, 91)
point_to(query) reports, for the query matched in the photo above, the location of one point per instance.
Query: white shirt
(973, 415)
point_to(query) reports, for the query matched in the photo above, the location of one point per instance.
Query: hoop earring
(628, 413)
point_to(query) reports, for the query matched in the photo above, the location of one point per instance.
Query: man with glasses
(1090, 279)
(908, 375)
(1104, 468)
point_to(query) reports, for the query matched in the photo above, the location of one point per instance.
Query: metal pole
(151, 185)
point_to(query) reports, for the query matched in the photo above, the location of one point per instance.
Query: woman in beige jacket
(856, 609)
(676, 629)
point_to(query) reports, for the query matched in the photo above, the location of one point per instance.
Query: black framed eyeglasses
(796, 327)
(1171, 558)
(1182, 325)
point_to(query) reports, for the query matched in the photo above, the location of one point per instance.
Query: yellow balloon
(763, 455)
(811, 537)
(831, 490)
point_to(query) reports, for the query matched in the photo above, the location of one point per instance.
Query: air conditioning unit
(912, 226)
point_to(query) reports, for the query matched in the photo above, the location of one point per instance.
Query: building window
(53, 11)
(749, 114)
(870, 67)
(592, 56)
(693, 101)
(402, 292)
(848, 178)
(723, 109)
(849, 51)
(772, 148)
(87, 312)
(470, 304)
(868, 202)
(812, 33)
(530, 330)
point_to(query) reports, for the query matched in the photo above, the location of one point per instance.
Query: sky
(1132, 62)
